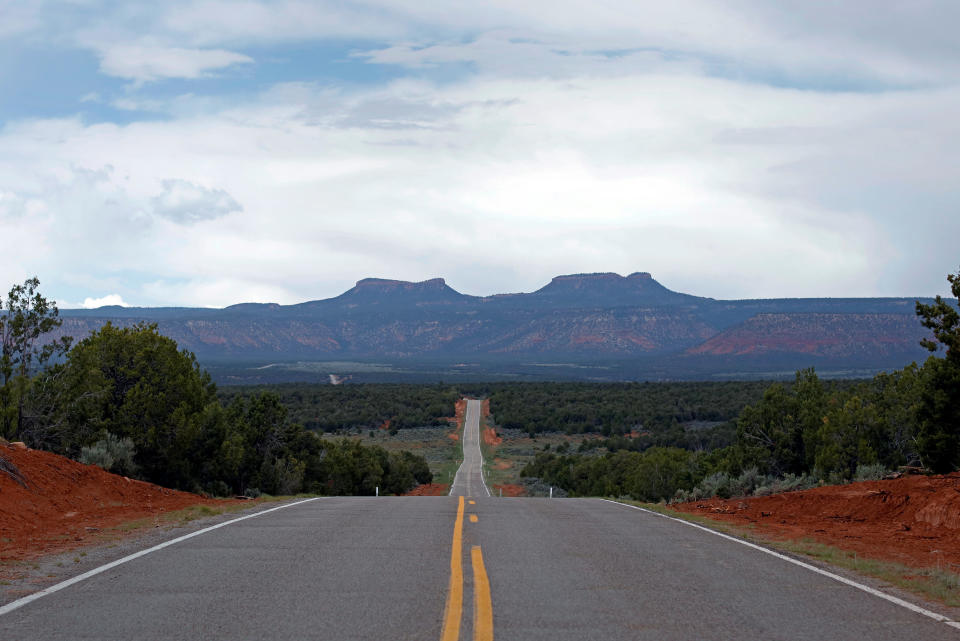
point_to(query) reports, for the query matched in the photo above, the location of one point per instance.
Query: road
(469, 478)
(462, 567)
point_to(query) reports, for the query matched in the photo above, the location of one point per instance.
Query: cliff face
(836, 335)
(580, 316)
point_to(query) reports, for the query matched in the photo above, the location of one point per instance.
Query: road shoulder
(859, 573)
(19, 578)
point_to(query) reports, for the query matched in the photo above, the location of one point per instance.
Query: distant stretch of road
(466, 566)
(469, 479)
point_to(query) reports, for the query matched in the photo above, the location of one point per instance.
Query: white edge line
(19, 603)
(457, 475)
(836, 577)
(482, 482)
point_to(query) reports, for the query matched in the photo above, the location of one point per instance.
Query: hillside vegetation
(330, 408)
(800, 435)
(127, 399)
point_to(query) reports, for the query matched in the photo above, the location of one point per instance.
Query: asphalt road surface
(469, 478)
(462, 567)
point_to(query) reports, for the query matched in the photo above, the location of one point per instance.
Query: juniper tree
(938, 434)
(26, 317)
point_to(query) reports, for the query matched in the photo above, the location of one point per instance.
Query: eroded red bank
(65, 504)
(914, 520)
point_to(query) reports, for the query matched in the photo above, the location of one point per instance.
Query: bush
(748, 481)
(724, 486)
(788, 483)
(282, 476)
(112, 453)
(873, 472)
(537, 487)
(717, 484)
(218, 488)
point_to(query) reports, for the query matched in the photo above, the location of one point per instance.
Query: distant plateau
(600, 326)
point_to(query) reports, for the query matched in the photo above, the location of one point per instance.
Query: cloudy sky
(207, 153)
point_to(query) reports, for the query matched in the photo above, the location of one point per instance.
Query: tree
(848, 438)
(943, 318)
(938, 412)
(133, 382)
(27, 316)
(660, 472)
(771, 434)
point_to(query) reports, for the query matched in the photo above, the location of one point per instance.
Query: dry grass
(177, 518)
(502, 463)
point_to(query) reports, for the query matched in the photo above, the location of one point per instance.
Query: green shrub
(873, 472)
(112, 453)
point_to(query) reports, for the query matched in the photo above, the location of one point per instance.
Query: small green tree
(938, 432)
(26, 317)
(944, 319)
(660, 472)
(848, 438)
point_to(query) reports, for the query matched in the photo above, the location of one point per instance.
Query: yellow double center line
(482, 603)
(454, 610)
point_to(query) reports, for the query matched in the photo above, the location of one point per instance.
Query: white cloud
(717, 188)
(847, 42)
(853, 42)
(185, 202)
(145, 63)
(618, 136)
(109, 299)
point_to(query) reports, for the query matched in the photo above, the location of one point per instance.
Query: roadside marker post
(377, 491)
(551, 491)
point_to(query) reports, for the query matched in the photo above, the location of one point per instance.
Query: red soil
(66, 504)
(385, 425)
(913, 520)
(509, 489)
(490, 437)
(460, 410)
(430, 489)
(485, 408)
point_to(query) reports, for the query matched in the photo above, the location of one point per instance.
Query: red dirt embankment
(459, 410)
(66, 504)
(430, 489)
(490, 437)
(489, 433)
(509, 489)
(913, 520)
